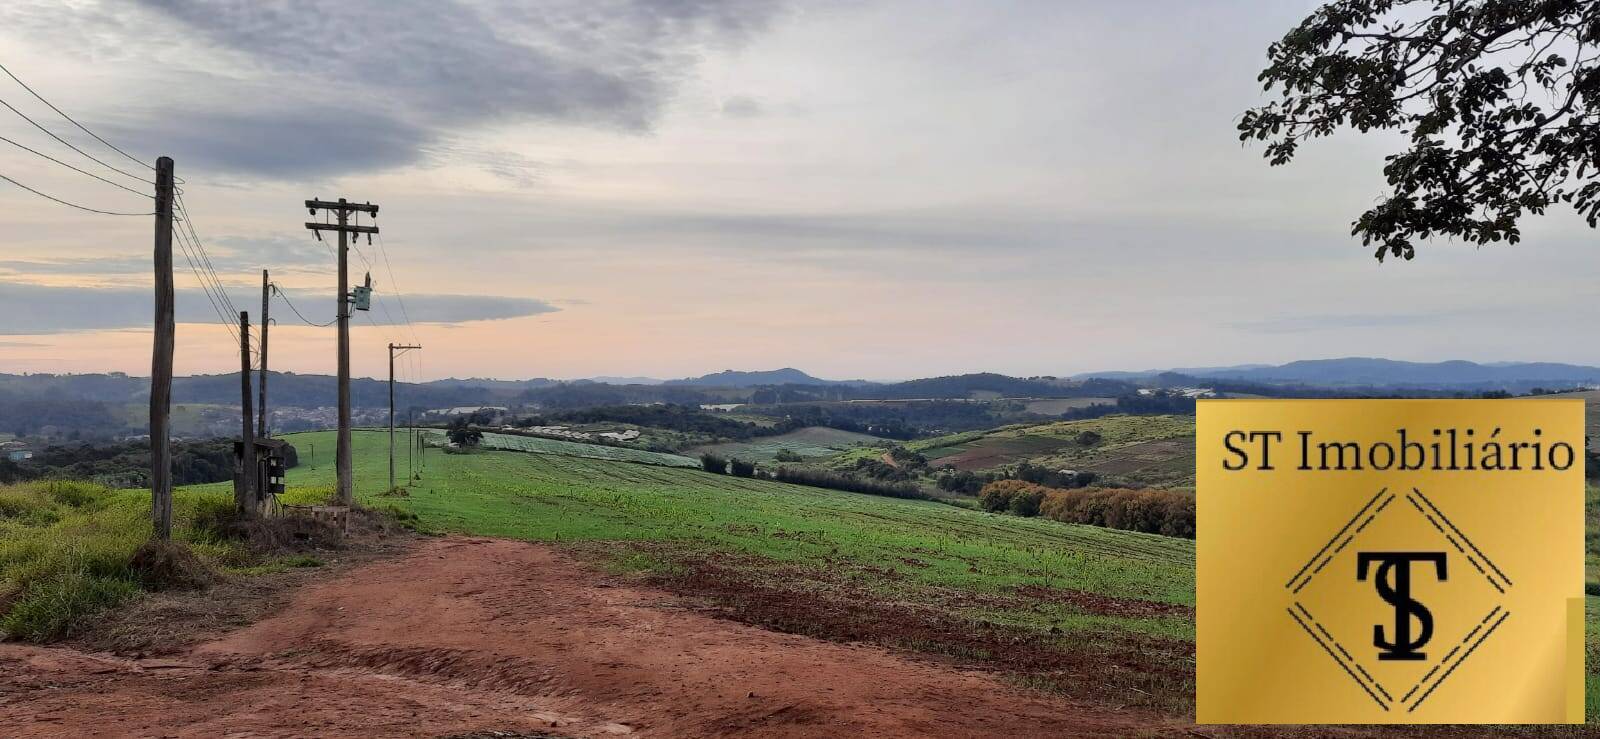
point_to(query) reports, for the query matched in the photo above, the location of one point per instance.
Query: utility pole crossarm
(342, 205)
(339, 227)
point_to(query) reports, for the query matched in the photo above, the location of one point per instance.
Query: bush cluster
(1014, 496)
(847, 483)
(713, 464)
(1165, 512)
(1153, 511)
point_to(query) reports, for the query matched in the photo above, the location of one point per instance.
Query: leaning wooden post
(244, 495)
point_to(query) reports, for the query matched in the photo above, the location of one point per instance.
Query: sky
(667, 188)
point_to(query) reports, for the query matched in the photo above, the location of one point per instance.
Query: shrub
(1088, 438)
(713, 463)
(741, 468)
(838, 481)
(787, 455)
(963, 481)
(1025, 503)
(907, 457)
(1003, 495)
(878, 469)
(1165, 512)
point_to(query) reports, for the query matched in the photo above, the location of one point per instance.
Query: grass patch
(49, 607)
(69, 550)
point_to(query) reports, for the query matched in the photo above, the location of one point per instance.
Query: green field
(924, 556)
(811, 442)
(550, 497)
(537, 445)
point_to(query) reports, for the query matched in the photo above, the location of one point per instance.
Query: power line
(383, 251)
(73, 147)
(188, 256)
(74, 121)
(278, 292)
(188, 222)
(207, 280)
(38, 153)
(71, 204)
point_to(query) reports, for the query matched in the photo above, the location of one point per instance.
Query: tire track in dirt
(477, 635)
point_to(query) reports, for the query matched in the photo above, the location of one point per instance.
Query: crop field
(1149, 450)
(1058, 406)
(535, 445)
(810, 443)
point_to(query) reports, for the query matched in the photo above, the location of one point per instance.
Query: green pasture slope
(904, 549)
(549, 497)
(809, 443)
(539, 445)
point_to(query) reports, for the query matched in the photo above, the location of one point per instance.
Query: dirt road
(464, 636)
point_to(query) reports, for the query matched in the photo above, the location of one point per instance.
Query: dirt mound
(169, 565)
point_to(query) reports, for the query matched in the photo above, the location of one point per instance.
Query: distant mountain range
(1379, 373)
(785, 376)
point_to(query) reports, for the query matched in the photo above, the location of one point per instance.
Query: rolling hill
(1374, 372)
(734, 378)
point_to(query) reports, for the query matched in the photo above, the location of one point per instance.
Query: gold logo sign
(1390, 561)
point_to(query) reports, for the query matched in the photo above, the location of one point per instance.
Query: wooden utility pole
(244, 495)
(344, 491)
(266, 287)
(161, 361)
(403, 348)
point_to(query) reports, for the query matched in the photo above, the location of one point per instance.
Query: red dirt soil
(466, 636)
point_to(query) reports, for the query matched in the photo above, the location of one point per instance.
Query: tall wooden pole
(244, 495)
(161, 360)
(345, 489)
(261, 426)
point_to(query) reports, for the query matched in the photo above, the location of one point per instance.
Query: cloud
(1330, 322)
(228, 254)
(79, 266)
(302, 142)
(248, 252)
(314, 89)
(742, 106)
(29, 309)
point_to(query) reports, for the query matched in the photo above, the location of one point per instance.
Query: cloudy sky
(671, 187)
